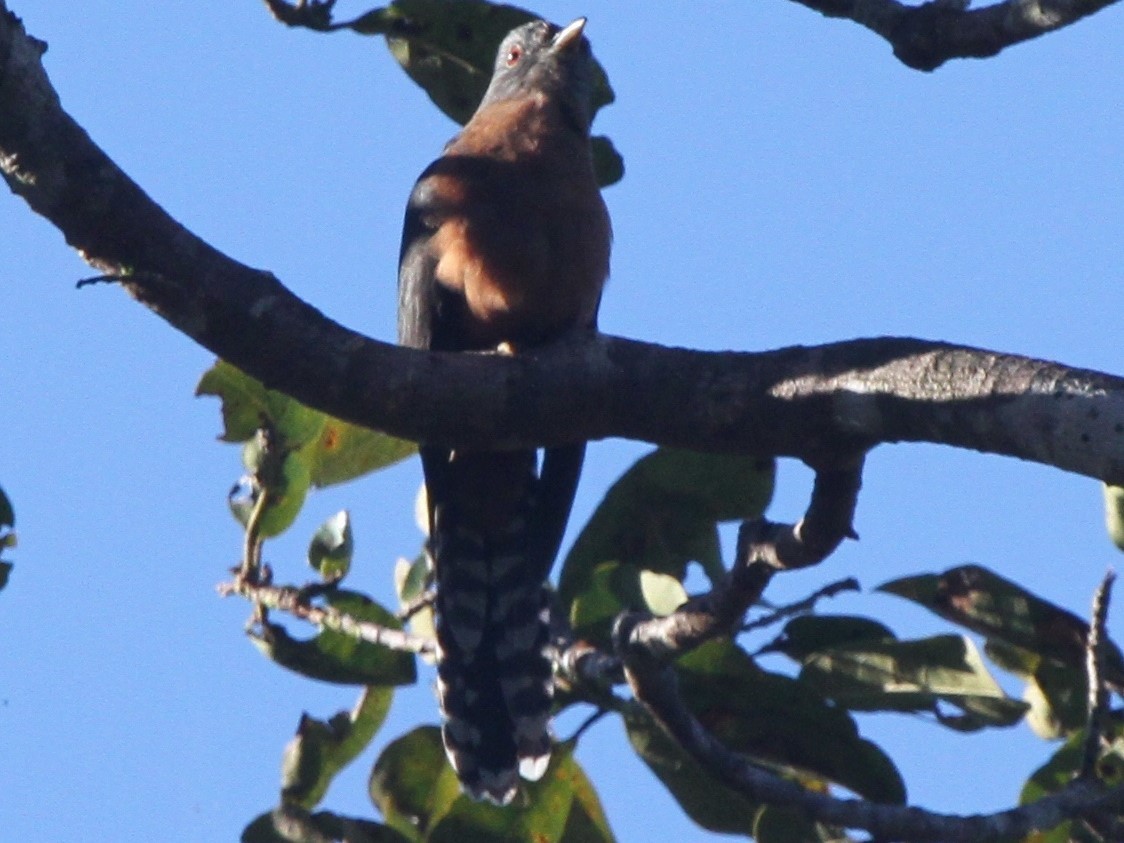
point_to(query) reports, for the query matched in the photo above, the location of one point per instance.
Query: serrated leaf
(332, 547)
(913, 676)
(338, 658)
(779, 720)
(984, 602)
(321, 749)
(662, 514)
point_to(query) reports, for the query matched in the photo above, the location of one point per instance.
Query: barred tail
(493, 676)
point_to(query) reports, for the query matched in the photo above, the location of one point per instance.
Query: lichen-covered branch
(927, 35)
(821, 404)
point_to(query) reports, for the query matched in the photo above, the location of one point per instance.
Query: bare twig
(803, 606)
(925, 36)
(422, 601)
(1095, 646)
(296, 602)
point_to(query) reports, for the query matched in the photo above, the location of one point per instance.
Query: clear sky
(787, 182)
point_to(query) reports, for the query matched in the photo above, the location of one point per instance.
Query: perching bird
(506, 242)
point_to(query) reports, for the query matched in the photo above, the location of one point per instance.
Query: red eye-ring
(513, 56)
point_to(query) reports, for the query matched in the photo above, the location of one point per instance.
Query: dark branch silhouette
(925, 36)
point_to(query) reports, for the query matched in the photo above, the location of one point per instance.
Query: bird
(505, 247)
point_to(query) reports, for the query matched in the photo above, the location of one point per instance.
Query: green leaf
(345, 451)
(338, 658)
(320, 749)
(616, 587)
(539, 813)
(411, 579)
(1054, 776)
(587, 822)
(417, 792)
(662, 514)
(412, 784)
(708, 802)
(779, 720)
(334, 450)
(806, 634)
(248, 405)
(984, 602)
(332, 547)
(1058, 773)
(288, 488)
(1056, 693)
(913, 676)
(613, 588)
(1114, 514)
(662, 594)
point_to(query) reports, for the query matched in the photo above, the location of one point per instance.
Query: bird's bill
(569, 35)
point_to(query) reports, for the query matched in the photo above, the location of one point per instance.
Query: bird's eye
(513, 56)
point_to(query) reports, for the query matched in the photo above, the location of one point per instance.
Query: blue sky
(787, 182)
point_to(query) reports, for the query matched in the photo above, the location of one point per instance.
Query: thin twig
(803, 606)
(295, 601)
(1095, 646)
(587, 723)
(422, 601)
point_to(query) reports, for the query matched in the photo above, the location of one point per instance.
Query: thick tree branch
(821, 404)
(927, 35)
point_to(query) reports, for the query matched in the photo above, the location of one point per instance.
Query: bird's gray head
(539, 57)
